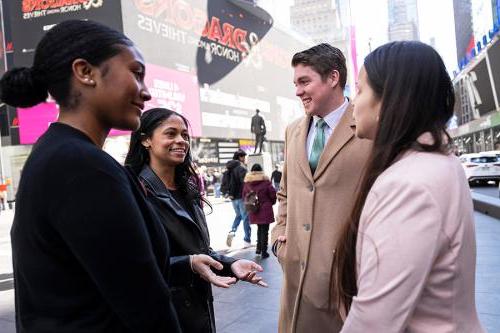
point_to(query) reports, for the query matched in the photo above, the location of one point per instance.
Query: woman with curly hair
(160, 155)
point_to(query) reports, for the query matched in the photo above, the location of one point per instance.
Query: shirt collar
(333, 118)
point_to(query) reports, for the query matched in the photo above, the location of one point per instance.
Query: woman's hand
(201, 263)
(246, 270)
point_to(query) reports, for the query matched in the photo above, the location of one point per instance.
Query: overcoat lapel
(340, 136)
(300, 148)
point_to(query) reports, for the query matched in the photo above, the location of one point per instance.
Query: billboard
(494, 57)
(213, 61)
(30, 19)
(241, 61)
(174, 90)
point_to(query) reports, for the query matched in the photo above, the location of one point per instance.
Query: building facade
(403, 20)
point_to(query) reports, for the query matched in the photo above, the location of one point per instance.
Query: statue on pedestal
(258, 127)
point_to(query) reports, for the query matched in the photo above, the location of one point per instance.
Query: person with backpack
(232, 187)
(259, 196)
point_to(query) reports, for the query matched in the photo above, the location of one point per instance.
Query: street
(247, 308)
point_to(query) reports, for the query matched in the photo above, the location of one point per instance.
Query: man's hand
(201, 263)
(246, 270)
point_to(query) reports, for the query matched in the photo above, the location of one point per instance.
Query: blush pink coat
(416, 250)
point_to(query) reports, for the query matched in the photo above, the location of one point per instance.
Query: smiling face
(366, 108)
(316, 94)
(121, 93)
(169, 143)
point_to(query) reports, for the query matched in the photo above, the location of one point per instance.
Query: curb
(486, 204)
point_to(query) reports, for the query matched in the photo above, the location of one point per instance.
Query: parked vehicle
(494, 152)
(481, 167)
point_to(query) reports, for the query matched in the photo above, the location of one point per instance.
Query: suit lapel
(340, 136)
(300, 148)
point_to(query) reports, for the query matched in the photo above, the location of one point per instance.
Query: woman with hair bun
(406, 259)
(88, 253)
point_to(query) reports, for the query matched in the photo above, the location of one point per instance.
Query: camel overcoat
(311, 211)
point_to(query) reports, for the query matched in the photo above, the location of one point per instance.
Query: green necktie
(318, 144)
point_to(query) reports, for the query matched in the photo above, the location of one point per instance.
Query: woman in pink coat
(406, 260)
(262, 215)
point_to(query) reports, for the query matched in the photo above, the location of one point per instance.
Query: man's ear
(83, 72)
(334, 78)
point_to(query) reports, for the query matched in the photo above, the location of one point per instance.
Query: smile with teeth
(306, 101)
(178, 150)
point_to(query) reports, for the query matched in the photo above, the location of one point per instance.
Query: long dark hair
(52, 65)
(416, 94)
(186, 179)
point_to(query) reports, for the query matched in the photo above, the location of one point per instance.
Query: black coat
(188, 234)
(89, 254)
(236, 172)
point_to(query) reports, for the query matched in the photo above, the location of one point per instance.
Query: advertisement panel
(241, 61)
(30, 19)
(494, 57)
(171, 89)
(477, 89)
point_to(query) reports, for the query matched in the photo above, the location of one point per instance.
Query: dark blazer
(188, 234)
(88, 253)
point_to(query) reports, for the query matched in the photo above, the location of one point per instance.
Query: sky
(370, 18)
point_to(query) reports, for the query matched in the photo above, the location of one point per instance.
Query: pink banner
(176, 91)
(170, 89)
(34, 121)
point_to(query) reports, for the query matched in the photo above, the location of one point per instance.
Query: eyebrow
(302, 78)
(143, 68)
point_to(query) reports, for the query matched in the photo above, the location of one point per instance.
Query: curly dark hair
(186, 178)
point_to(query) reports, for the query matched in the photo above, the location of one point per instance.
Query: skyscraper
(324, 21)
(463, 27)
(321, 20)
(403, 20)
(495, 7)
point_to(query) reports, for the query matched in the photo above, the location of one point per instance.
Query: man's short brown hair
(324, 59)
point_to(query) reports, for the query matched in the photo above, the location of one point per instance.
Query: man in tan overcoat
(324, 162)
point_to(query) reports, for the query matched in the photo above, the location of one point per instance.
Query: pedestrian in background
(406, 261)
(88, 254)
(160, 155)
(258, 187)
(233, 182)
(323, 163)
(276, 177)
(217, 182)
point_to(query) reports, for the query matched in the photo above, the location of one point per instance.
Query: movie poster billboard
(28, 21)
(241, 61)
(31, 19)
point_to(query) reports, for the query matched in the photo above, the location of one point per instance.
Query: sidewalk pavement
(250, 309)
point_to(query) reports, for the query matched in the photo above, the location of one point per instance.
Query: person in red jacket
(259, 193)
